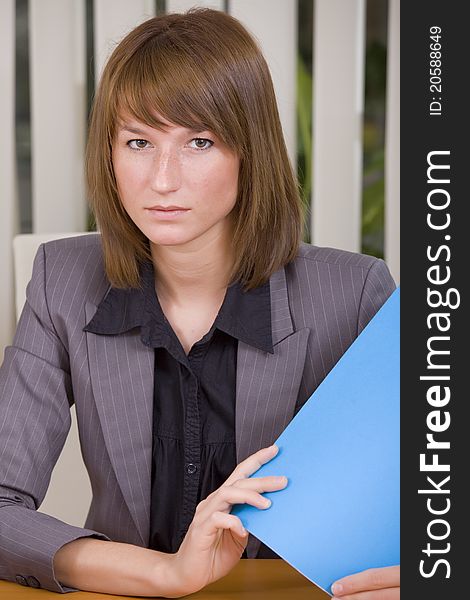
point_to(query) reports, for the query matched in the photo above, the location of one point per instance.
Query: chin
(170, 240)
(173, 237)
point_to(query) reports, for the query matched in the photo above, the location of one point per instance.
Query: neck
(194, 271)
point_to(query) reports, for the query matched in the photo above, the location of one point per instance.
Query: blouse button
(191, 468)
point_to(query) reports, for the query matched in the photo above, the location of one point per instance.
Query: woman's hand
(216, 539)
(373, 584)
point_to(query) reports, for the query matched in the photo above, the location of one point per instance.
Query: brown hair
(200, 69)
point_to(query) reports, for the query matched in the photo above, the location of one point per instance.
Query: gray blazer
(320, 302)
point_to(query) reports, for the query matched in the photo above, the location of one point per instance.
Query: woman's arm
(115, 568)
(35, 398)
(213, 545)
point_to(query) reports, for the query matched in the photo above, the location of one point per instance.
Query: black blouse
(193, 449)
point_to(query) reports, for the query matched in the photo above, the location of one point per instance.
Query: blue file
(340, 511)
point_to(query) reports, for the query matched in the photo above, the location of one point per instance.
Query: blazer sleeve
(378, 286)
(35, 399)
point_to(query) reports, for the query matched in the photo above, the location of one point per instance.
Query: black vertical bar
(160, 7)
(305, 27)
(90, 53)
(434, 157)
(90, 77)
(23, 116)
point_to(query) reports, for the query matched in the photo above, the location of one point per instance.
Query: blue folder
(340, 511)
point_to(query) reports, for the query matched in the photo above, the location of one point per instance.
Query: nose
(166, 176)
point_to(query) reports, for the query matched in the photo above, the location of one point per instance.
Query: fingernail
(336, 588)
(282, 479)
(267, 502)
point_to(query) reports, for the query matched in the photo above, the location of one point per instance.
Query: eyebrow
(137, 131)
(132, 130)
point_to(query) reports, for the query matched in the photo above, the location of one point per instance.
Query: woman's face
(178, 185)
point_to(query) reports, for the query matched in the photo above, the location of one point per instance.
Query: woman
(187, 334)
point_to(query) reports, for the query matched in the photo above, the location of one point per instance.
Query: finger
(371, 579)
(221, 520)
(251, 464)
(225, 497)
(270, 483)
(383, 594)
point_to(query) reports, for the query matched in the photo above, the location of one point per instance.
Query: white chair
(69, 495)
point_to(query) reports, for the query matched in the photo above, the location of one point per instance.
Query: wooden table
(269, 579)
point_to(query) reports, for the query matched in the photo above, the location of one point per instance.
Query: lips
(167, 213)
(167, 208)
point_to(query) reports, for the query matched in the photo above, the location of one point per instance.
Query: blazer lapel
(268, 384)
(122, 374)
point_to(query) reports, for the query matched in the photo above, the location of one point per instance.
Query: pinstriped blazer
(319, 304)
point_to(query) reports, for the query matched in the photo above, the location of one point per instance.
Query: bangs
(164, 80)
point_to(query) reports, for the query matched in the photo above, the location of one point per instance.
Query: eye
(201, 143)
(137, 144)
